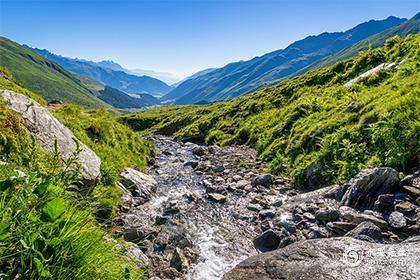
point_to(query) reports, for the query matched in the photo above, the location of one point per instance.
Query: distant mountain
(411, 26)
(108, 73)
(241, 77)
(168, 78)
(193, 76)
(46, 77)
(122, 100)
(53, 82)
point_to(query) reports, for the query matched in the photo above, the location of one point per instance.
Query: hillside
(411, 26)
(45, 77)
(111, 74)
(52, 82)
(122, 100)
(313, 123)
(238, 78)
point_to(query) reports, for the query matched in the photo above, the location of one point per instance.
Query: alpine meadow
(189, 159)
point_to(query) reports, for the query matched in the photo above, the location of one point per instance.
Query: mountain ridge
(101, 72)
(238, 78)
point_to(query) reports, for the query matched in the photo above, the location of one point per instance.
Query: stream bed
(203, 211)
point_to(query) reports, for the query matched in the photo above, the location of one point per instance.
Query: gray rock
(366, 229)
(405, 207)
(198, 150)
(46, 128)
(237, 178)
(216, 197)
(179, 261)
(218, 168)
(242, 184)
(141, 185)
(364, 189)
(308, 216)
(191, 163)
(312, 175)
(287, 223)
(412, 180)
(359, 218)
(268, 240)
(277, 203)
(384, 201)
(341, 258)
(135, 253)
(397, 220)
(254, 207)
(327, 215)
(263, 180)
(269, 213)
(341, 227)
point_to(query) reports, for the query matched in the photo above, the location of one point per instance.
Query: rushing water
(222, 233)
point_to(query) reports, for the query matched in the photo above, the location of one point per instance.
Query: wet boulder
(47, 129)
(141, 185)
(268, 240)
(364, 189)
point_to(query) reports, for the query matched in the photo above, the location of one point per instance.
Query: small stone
(327, 215)
(366, 229)
(160, 220)
(199, 151)
(405, 207)
(412, 190)
(218, 168)
(254, 207)
(179, 261)
(267, 214)
(263, 180)
(216, 197)
(268, 240)
(193, 164)
(308, 216)
(242, 184)
(277, 203)
(358, 218)
(386, 199)
(341, 226)
(237, 178)
(397, 220)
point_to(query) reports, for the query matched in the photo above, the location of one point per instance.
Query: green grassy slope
(304, 120)
(48, 230)
(44, 77)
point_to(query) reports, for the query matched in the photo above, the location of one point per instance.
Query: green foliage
(115, 143)
(305, 120)
(47, 231)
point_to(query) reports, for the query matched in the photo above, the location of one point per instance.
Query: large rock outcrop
(333, 258)
(364, 189)
(46, 128)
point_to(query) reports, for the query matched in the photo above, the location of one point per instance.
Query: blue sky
(182, 37)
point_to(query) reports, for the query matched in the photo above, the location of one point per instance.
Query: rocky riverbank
(202, 210)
